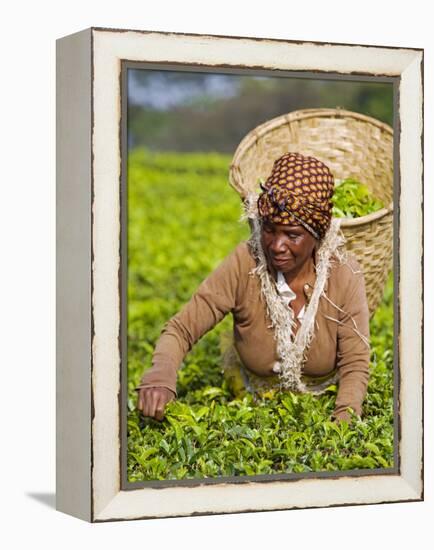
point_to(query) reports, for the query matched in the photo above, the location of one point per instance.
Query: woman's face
(287, 247)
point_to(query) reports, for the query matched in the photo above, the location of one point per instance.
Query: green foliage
(353, 199)
(182, 223)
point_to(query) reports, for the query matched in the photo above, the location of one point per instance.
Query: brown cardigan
(232, 288)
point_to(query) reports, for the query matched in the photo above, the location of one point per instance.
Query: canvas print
(259, 285)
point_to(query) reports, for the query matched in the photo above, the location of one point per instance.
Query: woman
(298, 302)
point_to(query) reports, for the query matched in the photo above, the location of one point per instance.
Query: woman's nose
(278, 244)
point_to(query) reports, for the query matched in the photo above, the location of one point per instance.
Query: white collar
(283, 288)
(286, 292)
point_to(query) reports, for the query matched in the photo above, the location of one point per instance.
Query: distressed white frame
(88, 319)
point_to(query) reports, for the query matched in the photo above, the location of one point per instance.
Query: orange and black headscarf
(298, 191)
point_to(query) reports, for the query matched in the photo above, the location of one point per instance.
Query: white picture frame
(89, 265)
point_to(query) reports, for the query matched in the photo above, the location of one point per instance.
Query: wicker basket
(351, 145)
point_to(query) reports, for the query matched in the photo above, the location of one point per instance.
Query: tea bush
(182, 223)
(352, 199)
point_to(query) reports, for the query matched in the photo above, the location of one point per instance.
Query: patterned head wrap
(298, 191)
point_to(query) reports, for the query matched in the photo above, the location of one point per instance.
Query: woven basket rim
(259, 131)
(262, 129)
(362, 220)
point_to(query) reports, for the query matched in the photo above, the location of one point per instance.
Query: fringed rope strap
(292, 350)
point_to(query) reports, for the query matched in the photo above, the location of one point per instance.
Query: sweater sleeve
(215, 297)
(353, 350)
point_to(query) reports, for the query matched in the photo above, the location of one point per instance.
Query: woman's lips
(280, 261)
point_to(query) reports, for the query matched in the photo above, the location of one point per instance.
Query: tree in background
(180, 111)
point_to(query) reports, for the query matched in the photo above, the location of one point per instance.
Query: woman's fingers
(159, 409)
(152, 401)
(162, 399)
(164, 396)
(140, 400)
(144, 402)
(146, 399)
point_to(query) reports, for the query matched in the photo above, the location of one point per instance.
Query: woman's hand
(343, 416)
(152, 401)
